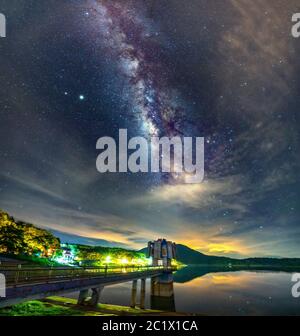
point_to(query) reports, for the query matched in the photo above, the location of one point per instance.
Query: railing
(21, 275)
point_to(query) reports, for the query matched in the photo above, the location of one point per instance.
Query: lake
(203, 291)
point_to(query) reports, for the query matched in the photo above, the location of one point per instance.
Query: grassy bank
(38, 308)
(60, 306)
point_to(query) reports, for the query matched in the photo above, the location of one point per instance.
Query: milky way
(133, 44)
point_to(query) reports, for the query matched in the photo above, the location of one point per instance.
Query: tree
(20, 237)
(11, 235)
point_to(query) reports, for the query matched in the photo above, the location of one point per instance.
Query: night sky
(228, 71)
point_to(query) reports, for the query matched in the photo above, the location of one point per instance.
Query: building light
(124, 261)
(108, 259)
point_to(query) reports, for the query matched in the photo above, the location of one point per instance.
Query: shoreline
(62, 306)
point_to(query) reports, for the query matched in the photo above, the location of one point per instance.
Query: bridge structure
(25, 283)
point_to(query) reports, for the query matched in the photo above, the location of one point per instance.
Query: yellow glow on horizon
(221, 248)
(207, 244)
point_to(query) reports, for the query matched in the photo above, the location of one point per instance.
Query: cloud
(259, 50)
(212, 192)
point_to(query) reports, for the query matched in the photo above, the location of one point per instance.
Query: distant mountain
(189, 256)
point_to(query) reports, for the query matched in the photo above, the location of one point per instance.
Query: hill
(189, 256)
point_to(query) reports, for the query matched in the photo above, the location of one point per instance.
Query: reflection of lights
(224, 279)
(174, 262)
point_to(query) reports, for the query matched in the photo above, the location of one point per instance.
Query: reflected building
(162, 293)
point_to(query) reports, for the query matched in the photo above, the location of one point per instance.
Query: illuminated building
(162, 252)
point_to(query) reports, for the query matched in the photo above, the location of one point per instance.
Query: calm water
(219, 293)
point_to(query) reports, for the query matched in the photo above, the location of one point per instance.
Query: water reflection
(162, 293)
(235, 293)
(213, 291)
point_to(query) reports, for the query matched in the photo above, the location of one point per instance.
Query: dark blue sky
(74, 71)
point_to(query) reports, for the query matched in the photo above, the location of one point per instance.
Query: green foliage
(97, 255)
(60, 306)
(37, 308)
(24, 238)
(11, 235)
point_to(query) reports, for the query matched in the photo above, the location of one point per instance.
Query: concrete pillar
(133, 294)
(96, 293)
(162, 293)
(83, 295)
(143, 293)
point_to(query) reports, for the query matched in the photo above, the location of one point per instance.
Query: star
(81, 97)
